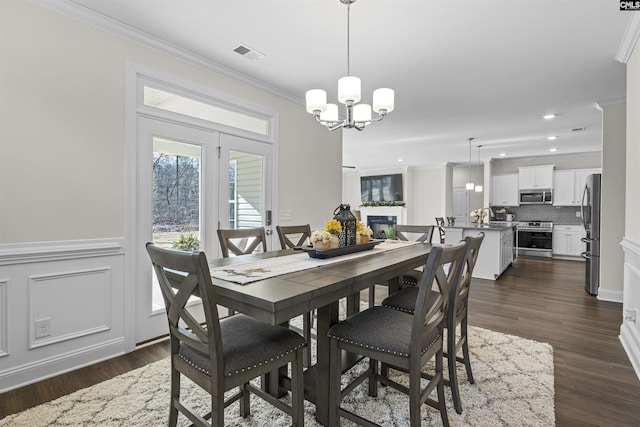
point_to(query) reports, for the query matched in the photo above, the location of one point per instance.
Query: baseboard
(607, 295)
(630, 339)
(39, 370)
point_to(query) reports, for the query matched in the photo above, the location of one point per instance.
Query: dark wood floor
(539, 299)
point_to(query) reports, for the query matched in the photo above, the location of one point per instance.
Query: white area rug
(514, 387)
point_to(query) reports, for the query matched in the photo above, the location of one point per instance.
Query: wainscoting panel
(4, 317)
(90, 291)
(630, 329)
(62, 306)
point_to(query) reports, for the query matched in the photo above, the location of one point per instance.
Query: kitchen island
(496, 252)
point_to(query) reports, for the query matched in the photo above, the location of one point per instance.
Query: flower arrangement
(479, 213)
(321, 239)
(362, 233)
(333, 226)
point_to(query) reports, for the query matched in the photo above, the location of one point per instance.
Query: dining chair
(300, 235)
(457, 314)
(424, 234)
(219, 355)
(440, 224)
(242, 241)
(382, 334)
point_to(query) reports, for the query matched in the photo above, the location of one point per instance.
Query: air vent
(582, 129)
(248, 52)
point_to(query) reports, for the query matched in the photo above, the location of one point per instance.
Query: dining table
(278, 299)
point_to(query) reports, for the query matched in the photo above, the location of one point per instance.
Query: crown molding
(630, 38)
(76, 11)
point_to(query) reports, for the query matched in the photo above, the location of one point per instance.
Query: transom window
(164, 100)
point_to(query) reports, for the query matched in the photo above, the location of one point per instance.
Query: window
(168, 101)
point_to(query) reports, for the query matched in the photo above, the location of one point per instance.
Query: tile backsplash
(557, 215)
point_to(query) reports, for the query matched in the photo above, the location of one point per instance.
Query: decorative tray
(344, 250)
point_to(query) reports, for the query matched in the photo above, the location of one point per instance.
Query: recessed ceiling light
(551, 138)
(400, 160)
(548, 116)
(553, 150)
(503, 154)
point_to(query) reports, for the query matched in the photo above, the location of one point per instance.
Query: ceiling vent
(582, 129)
(248, 52)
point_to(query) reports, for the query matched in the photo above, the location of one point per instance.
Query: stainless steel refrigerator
(590, 212)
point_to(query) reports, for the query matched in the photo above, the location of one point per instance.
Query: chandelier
(357, 115)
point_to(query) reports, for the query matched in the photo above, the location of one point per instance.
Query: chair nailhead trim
(404, 310)
(384, 350)
(247, 368)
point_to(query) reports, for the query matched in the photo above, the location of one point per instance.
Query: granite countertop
(497, 227)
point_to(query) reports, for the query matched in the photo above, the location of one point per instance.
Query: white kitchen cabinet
(535, 177)
(504, 190)
(496, 251)
(568, 186)
(567, 240)
(506, 249)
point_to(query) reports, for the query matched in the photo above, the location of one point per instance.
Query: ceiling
(479, 69)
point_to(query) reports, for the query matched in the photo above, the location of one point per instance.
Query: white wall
(62, 183)
(612, 203)
(630, 330)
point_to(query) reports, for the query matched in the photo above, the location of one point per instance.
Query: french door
(191, 181)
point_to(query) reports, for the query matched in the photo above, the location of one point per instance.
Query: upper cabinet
(504, 190)
(535, 177)
(568, 186)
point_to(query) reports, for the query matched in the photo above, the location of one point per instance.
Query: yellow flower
(333, 226)
(359, 225)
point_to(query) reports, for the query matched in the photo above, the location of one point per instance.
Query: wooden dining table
(278, 299)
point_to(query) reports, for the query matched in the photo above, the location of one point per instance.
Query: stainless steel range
(534, 238)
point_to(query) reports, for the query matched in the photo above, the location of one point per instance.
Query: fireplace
(380, 218)
(382, 226)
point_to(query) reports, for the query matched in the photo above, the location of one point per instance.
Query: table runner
(252, 271)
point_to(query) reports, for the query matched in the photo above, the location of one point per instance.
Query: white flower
(320, 236)
(365, 231)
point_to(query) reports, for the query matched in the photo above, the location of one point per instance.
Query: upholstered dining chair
(440, 224)
(457, 314)
(424, 234)
(300, 235)
(400, 340)
(220, 355)
(242, 241)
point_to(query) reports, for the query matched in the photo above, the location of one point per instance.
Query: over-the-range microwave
(536, 197)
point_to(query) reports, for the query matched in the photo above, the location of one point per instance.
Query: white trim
(630, 38)
(28, 373)
(609, 295)
(4, 317)
(630, 339)
(20, 253)
(82, 13)
(105, 298)
(630, 331)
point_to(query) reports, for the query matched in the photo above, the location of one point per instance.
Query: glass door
(245, 185)
(176, 207)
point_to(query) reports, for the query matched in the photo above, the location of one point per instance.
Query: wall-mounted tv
(381, 188)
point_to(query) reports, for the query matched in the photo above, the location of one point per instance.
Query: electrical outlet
(577, 214)
(631, 314)
(43, 327)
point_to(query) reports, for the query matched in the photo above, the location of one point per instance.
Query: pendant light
(470, 185)
(479, 186)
